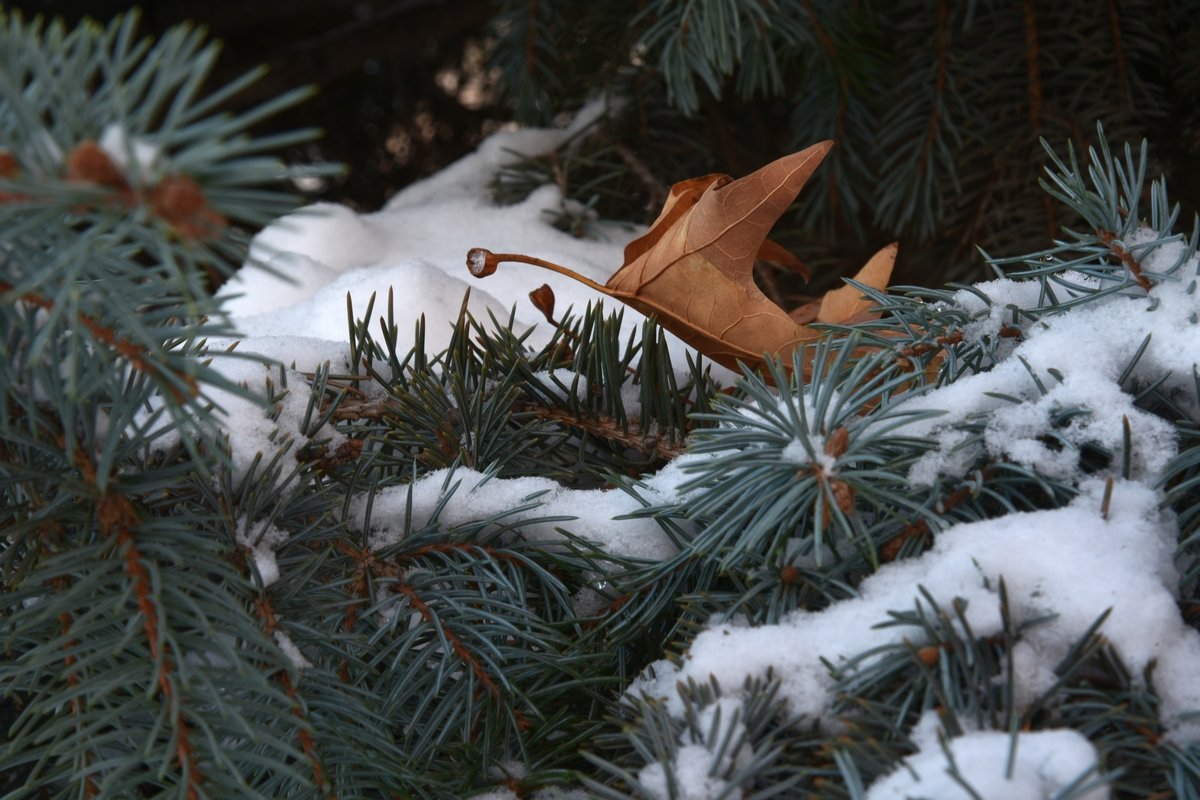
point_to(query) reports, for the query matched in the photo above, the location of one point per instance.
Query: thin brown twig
(1118, 41)
(117, 518)
(531, 40)
(1033, 72)
(66, 620)
(456, 642)
(658, 190)
(131, 351)
(1132, 264)
(920, 530)
(631, 435)
(371, 408)
(266, 613)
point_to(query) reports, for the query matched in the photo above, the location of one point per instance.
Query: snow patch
(1127, 561)
(537, 506)
(262, 544)
(290, 650)
(133, 155)
(1046, 763)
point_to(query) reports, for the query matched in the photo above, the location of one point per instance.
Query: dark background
(391, 76)
(403, 90)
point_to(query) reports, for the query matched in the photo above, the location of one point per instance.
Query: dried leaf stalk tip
(481, 262)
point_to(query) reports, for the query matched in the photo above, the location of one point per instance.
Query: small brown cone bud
(843, 495)
(177, 197)
(789, 575)
(543, 299)
(836, 444)
(929, 654)
(180, 202)
(87, 163)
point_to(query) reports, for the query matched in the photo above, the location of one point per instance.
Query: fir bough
(177, 624)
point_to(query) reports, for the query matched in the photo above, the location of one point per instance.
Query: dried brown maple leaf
(847, 305)
(694, 269)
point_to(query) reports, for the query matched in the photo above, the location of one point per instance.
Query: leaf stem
(483, 262)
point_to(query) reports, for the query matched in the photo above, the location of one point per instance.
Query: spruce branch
(1125, 257)
(123, 602)
(630, 435)
(173, 626)
(576, 408)
(808, 445)
(740, 743)
(1108, 195)
(180, 385)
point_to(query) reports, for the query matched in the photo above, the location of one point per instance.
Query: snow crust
(1046, 763)
(1090, 348)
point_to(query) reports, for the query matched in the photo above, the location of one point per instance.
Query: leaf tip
(543, 299)
(878, 270)
(846, 304)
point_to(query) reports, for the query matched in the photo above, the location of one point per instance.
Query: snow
(417, 246)
(539, 505)
(1090, 347)
(541, 794)
(691, 770)
(251, 431)
(511, 771)
(290, 301)
(416, 285)
(1046, 763)
(262, 544)
(1086, 564)
(290, 650)
(134, 156)
(699, 772)
(263, 292)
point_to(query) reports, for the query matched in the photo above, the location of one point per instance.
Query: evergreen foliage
(936, 108)
(147, 654)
